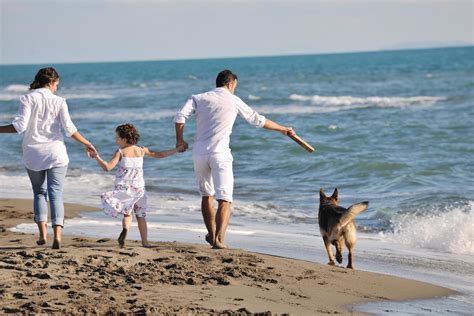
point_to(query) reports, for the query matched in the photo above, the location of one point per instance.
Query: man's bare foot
(219, 245)
(209, 240)
(122, 237)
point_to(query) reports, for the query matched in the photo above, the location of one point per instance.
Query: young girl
(129, 194)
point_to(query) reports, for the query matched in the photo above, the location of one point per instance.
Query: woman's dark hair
(44, 77)
(224, 77)
(128, 132)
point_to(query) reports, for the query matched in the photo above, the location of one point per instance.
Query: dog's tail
(352, 212)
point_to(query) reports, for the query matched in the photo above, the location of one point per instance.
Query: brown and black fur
(336, 225)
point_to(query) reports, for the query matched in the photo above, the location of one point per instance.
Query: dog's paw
(350, 266)
(339, 257)
(331, 263)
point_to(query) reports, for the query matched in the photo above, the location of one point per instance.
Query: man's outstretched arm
(7, 129)
(273, 126)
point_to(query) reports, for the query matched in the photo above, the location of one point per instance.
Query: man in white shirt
(215, 112)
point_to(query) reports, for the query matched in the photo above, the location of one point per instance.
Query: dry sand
(95, 276)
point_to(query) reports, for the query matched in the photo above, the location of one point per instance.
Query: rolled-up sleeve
(66, 121)
(185, 112)
(20, 122)
(249, 114)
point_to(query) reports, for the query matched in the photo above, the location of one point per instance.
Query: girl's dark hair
(224, 77)
(128, 132)
(44, 77)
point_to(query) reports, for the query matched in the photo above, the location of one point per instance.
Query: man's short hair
(224, 77)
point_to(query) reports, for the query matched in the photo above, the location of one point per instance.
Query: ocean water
(394, 128)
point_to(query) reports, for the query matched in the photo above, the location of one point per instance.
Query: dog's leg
(338, 245)
(350, 240)
(349, 257)
(327, 244)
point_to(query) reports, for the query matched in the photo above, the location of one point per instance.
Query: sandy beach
(95, 275)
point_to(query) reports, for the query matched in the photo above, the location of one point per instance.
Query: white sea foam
(83, 188)
(98, 96)
(349, 102)
(131, 116)
(292, 109)
(9, 96)
(253, 97)
(6, 117)
(449, 231)
(17, 88)
(15, 91)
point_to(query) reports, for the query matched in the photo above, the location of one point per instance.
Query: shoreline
(89, 275)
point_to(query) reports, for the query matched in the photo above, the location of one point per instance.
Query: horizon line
(466, 45)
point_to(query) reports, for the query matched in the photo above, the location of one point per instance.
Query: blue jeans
(48, 183)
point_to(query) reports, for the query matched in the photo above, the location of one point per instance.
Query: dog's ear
(322, 196)
(335, 194)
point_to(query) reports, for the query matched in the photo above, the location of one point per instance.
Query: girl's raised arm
(160, 154)
(108, 165)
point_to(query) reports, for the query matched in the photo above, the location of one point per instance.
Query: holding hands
(182, 146)
(91, 151)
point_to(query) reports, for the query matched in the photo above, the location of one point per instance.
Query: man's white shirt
(215, 112)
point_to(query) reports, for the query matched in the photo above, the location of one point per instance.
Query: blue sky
(48, 31)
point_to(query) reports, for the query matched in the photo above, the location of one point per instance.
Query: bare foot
(122, 237)
(147, 245)
(219, 245)
(40, 242)
(56, 244)
(209, 240)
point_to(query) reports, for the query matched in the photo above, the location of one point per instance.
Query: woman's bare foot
(56, 244)
(41, 242)
(209, 240)
(122, 237)
(219, 245)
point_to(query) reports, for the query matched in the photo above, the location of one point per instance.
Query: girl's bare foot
(122, 237)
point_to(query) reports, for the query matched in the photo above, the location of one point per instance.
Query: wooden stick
(302, 143)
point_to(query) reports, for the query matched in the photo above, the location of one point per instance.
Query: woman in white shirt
(40, 117)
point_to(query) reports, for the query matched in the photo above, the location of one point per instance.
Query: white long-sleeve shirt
(215, 112)
(41, 116)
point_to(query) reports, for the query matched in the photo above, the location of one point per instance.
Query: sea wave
(136, 115)
(267, 212)
(15, 91)
(17, 88)
(349, 102)
(446, 231)
(98, 96)
(253, 97)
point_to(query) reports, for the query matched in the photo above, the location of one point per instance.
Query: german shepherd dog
(336, 225)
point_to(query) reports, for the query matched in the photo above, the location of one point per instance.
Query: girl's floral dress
(129, 194)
